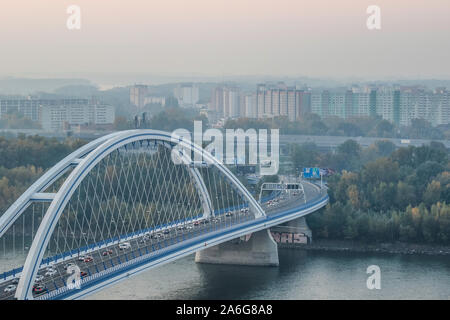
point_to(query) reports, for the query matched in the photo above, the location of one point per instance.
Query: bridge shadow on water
(244, 282)
(186, 280)
(302, 274)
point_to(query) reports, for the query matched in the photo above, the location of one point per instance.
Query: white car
(70, 264)
(10, 288)
(50, 272)
(124, 246)
(39, 278)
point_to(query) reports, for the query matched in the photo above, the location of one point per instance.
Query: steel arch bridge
(122, 204)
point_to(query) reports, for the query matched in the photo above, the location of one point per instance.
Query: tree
(350, 129)
(433, 193)
(350, 148)
(405, 195)
(385, 129)
(385, 148)
(381, 170)
(305, 155)
(428, 170)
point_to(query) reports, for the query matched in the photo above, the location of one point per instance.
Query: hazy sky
(320, 38)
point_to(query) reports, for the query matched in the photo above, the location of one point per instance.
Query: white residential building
(187, 95)
(59, 117)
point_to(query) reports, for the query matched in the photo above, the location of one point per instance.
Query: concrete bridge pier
(299, 225)
(257, 249)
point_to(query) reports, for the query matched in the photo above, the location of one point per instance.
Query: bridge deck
(109, 261)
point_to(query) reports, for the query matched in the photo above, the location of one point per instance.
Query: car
(88, 259)
(39, 289)
(15, 281)
(70, 264)
(196, 223)
(181, 227)
(189, 227)
(107, 252)
(50, 272)
(81, 258)
(229, 214)
(167, 231)
(39, 278)
(124, 246)
(83, 274)
(159, 235)
(10, 288)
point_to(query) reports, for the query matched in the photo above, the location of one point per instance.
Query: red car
(39, 289)
(107, 253)
(88, 259)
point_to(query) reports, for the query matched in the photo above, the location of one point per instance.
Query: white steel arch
(95, 152)
(35, 191)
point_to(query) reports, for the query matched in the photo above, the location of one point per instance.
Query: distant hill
(28, 86)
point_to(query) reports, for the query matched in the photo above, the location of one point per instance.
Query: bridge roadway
(142, 245)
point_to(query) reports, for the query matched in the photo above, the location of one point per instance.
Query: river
(301, 275)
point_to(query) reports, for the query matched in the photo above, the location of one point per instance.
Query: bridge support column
(299, 225)
(259, 250)
(292, 233)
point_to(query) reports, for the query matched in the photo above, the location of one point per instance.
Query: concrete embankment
(352, 246)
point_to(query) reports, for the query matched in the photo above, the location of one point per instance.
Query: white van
(124, 246)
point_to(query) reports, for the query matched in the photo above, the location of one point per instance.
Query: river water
(301, 275)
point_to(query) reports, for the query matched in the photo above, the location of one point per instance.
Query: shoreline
(361, 247)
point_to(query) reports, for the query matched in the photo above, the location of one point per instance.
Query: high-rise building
(226, 102)
(231, 102)
(276, 102)
(442, 103)
(260, 100)
(360, 105)
(385, 103)
(137, 95)
(187, 95)
(316, 103)
(398, 105)
(282, 101)
(58, 114)
(250, 108)
(304, 103)
(292, 104)
(217, 101)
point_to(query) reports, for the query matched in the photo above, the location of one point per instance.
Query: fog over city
(224, 149)
(222, 38)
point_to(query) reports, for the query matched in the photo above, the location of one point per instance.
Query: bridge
(131, 201)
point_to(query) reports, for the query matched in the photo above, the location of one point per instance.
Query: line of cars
(39, 288)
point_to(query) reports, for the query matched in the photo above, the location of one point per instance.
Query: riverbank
(353, 246)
